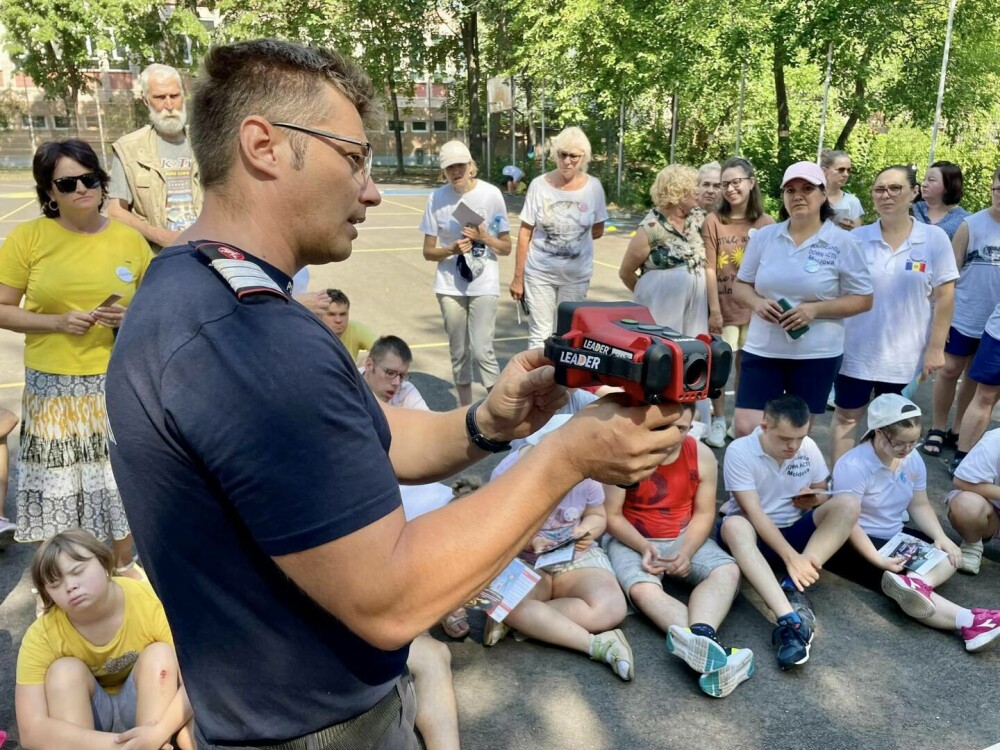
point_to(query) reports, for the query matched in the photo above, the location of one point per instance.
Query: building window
(394, 126)
(37, 122)
(418, 126)
(60, 122)
(440, 126)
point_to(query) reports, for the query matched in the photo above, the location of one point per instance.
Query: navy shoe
(793, 644)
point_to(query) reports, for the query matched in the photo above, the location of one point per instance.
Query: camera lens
(695, 372)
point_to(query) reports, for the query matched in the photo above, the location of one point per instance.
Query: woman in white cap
(564, 212)
(890, 480)
(903, 335)
(800, 278)
(577, 604)
(465, 228)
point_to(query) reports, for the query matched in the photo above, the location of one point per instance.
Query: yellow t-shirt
(358, 336)
(60, 270)
(52, 636)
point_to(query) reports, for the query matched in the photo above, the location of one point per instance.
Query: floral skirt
(64, 478)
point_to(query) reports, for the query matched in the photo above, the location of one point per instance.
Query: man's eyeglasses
(362, 162)
(734, 183)
(67, 185)
(893, 191)
(403, 375)
(899, 446)
(568, 155)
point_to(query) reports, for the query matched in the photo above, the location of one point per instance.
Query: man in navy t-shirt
(259, 473)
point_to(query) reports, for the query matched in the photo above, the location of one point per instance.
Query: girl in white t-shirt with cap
(467, 283)
(800, 278)
(890, 479)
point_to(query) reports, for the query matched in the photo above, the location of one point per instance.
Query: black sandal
(951, 439)
(934, 443)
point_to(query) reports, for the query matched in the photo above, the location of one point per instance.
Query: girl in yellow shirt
(98, 669)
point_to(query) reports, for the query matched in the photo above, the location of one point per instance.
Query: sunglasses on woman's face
(68, 184)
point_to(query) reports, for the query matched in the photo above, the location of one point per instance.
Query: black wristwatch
(477, 437)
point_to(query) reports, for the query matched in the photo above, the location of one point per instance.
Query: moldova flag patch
(912, 265)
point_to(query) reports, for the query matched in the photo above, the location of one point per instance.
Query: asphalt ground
(875, 678)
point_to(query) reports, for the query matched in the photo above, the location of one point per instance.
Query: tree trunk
(781, 99)
(394, 98)
(470, 45)
(529, 115)
(857, 105)
(71, 104)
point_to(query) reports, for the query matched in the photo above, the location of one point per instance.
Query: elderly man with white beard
(154, 178)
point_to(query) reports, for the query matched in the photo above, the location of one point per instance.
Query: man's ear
(259, 148)
(369, 364)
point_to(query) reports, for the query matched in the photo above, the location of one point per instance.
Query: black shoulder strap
(243, 276)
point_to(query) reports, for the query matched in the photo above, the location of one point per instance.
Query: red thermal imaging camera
(619, 344)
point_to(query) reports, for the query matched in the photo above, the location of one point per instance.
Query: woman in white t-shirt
(977, 253)
(911, 265)
(847, 209)
(890, 479)
(577, 604)
(465, 228)
(564, 212)
(800, 278)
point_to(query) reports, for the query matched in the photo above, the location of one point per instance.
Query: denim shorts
(960, 345)
(797, 535)
(985, 367)
(115, 712)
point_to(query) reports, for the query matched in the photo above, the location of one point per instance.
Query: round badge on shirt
(124, 274)
(811, 266)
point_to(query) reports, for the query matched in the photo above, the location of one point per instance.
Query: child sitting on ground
(100, 660)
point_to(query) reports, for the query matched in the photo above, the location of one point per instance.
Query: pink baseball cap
(805, 170)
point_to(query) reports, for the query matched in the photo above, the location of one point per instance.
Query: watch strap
(477, 437)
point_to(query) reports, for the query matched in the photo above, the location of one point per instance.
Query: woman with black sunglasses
(76, 271)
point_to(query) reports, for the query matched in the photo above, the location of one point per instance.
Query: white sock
(963, 619)
(721, 418)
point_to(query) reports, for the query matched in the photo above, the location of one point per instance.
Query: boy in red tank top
(662, 528)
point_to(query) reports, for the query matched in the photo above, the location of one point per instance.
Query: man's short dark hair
(279, 81)
(337, 297)
(390, 345)
(791, 408)
(43, 166)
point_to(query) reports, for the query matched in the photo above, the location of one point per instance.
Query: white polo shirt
(747, 467)
(982, 465)
(828, 265)
(406, 395)
(885, 494)
(887, 342)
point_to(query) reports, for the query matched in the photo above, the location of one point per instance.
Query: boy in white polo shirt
(974, 505)
(780, 514)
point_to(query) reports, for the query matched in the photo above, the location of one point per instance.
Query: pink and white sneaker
(985, 629)
(912, 594)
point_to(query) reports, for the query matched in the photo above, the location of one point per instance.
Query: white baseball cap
(888, 409)
(805, 170)
(454, 152)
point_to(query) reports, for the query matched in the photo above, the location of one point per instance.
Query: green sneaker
(739, 668)
(612, 648)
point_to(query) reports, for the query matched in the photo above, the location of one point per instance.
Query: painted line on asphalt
(402, 205)
(24, 194)
(439, 344)
(386, 249)
(11, 385)
(406, 226)
(18, 209)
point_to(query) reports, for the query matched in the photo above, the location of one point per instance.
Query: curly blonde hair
(672, 185)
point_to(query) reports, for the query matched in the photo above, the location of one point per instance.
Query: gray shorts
(627, 563)
(115, 713)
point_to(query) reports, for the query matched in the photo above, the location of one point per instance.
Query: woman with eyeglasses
(890, 480)
(973, 341)
(726, 232)
(564, 212)
(913, 275)
(465, 228)
(940, 194)
(800, 278)
(847, 209)
(76, 272)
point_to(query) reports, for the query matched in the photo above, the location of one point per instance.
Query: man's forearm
(153, 234)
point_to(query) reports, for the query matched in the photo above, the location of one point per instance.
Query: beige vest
(137, 153)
